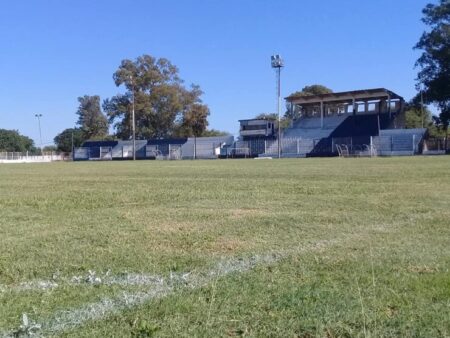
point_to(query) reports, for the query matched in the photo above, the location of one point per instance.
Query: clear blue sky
(54, 51)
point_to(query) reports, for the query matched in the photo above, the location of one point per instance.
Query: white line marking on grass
(160, 287)
(31, 285)
(92, 278)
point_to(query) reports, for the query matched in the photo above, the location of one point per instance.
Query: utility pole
(277, 62)
(40, 133)
(195, 146)
(133, 118)
(421, 104)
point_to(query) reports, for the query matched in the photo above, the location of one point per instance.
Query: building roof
(259, 119)
(364, 94)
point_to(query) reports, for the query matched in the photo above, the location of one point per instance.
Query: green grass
(385, 271)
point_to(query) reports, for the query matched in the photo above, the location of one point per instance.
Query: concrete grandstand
(360, 123)
(367, 121)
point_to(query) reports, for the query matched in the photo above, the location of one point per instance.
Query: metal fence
(12, 157)
(436, 146)
(188, 150)
(389, 145)
(385, 145)
(289, 147)
(200, 150)
(164, 152)
(237, 152)
(292, 146)
(352, 146)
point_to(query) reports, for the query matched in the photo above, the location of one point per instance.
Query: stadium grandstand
(367, 122)
(169, 148)
(361, 122)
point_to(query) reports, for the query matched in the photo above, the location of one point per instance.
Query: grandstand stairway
(310, 128)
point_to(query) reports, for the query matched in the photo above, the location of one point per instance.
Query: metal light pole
(195, 146)
(421, 104)
(40, 133)
(133, 119)
(277, 63)
(73, 152)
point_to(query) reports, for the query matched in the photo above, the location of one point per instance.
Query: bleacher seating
(307, 137)
(310, 128)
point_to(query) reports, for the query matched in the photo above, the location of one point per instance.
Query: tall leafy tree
(434, 62)
(48, 149)
(315, 89)
(194, 121)
(12, 140)
(214, 132)
(162, 105)
(414, 118)
(64, 139)
(194, 116)
(91, 120)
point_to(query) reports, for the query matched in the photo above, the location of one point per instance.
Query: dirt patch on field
(229, 245)
(242, 213)
(422, 269)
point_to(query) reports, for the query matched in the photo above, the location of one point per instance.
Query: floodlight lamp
(276, 61)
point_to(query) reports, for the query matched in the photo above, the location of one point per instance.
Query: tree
(163, 106)
(194, 121)
(285, 121)
(48, 149)
(63, 140)
(315, 89)
(214, 132)
(434, 62)
(12, 140)
(440, 128)
(91, 120)
(415, 119)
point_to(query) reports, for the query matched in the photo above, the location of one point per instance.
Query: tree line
(13, 141)
(163, 107)
(434, 63)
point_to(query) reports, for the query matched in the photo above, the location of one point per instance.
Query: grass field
(287, 248)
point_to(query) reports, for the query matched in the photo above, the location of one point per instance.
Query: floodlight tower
(39, 124)
(278, 63)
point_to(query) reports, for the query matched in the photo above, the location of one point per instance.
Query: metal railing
(237, 152)
(189, 150)
(385, 145)
(6, 157)
(389, 145)
(436, 146)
